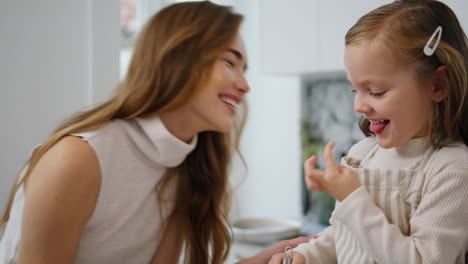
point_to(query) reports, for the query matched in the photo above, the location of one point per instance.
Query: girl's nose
(360, 106)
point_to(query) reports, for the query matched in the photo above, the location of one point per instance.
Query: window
(133, 15)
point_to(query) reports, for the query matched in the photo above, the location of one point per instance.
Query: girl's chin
(383, 143)
(391, 143)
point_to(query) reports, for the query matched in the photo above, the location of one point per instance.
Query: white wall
(270, 143)
(56, 57)
(460, 8)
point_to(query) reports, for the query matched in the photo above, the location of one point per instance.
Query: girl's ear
(440, 84)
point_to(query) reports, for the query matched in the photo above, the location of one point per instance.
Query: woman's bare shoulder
(71, 160)
(66, 179)
(60, 197)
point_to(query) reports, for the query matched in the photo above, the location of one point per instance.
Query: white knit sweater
(411, 207)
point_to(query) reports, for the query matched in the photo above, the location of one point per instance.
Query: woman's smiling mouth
(230, 101)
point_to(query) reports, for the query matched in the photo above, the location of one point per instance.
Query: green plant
(324, 202)
(309, 148)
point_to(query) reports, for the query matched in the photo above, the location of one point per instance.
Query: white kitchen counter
(241, 250)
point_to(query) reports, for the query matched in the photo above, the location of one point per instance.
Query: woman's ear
(440, 84)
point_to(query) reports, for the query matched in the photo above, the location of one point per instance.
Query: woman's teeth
(229, 101)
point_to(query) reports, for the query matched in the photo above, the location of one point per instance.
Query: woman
(143, 175)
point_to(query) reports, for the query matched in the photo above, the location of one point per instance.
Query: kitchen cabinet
(288, 36)
(308, 35)
(335, 19)
(305, 36)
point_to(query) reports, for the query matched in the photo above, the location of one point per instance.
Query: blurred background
(59, 56)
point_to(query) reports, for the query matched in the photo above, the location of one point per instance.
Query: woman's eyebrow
(238, 55)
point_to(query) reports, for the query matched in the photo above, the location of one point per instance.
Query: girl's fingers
(328, 157)
(309, 164)
(314, 180)
(312, 185)
(312, 175)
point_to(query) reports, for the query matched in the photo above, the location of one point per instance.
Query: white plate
(264, 230)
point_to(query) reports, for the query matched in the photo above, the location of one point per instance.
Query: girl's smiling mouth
(376, 126)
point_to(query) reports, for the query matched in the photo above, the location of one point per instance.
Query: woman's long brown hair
(172, 59)
(403, 28)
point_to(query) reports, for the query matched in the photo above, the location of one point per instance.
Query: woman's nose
(242, 84)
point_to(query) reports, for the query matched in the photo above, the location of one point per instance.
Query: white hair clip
(430, 50)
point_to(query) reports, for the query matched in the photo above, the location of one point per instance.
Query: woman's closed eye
(229, 62)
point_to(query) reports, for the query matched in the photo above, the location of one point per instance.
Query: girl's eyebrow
(361, 83)
(238, 55)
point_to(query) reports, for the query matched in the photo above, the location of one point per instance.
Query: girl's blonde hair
(172, 59)
(404, 28)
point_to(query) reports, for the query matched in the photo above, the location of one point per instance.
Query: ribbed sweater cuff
(347, 207)
(307, 250)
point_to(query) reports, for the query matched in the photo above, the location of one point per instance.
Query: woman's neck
(179, 124)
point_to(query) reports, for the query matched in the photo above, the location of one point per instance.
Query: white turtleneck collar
(167, 150)
(413, 147)
(408, 155)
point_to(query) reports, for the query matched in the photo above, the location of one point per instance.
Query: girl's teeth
(376, 122)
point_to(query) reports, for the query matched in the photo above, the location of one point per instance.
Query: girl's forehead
(362, 58)
(365, 64)
(371, 48)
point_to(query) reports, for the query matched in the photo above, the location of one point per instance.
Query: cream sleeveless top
(411, 208)
(125, 227)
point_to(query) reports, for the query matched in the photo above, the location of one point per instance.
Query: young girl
(402, 191)
(144, 174)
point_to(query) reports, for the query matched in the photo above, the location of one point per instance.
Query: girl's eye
(354, 91)
(377, 94)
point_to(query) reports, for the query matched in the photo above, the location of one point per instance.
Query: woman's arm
(264, 256)
(60, 197)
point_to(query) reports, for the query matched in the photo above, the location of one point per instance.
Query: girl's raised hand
(337, 180)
